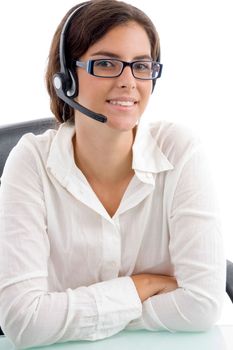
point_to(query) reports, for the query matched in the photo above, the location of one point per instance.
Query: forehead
(129, 39)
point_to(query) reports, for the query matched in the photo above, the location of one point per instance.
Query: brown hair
(89, 25)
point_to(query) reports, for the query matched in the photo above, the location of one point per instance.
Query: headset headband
(62, 51)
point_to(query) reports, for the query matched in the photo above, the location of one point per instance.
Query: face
(122, 99)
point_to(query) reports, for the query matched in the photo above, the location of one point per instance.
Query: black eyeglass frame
(89, 67)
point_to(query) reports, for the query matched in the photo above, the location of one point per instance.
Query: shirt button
(113, 264)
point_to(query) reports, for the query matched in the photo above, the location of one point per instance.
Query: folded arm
(196, 250)
(32, 316)
(148, 285)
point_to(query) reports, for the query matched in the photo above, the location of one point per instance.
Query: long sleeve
(196, 250)
(31, 315)
(32, 312)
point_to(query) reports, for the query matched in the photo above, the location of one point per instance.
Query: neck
(105, 157)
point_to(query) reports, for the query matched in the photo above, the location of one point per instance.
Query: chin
(122, 124)
(121, 127)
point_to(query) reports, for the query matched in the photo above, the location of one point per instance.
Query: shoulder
(176, 141)
(31, 143)
(30, 151)
(37, 153)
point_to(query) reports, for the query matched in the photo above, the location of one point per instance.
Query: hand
(148, 285)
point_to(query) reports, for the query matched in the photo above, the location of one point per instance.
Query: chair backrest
(10, 135)
(229, 286)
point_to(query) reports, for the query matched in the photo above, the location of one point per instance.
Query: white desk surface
(218, 338)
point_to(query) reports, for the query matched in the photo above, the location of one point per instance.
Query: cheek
(89, 87)
(146, 93)
(83, 81)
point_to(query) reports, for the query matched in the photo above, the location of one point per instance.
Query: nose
(126, 79)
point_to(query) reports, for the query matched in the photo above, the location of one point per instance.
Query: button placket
(111, 259)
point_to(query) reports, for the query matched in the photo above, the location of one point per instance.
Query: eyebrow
(113, 55)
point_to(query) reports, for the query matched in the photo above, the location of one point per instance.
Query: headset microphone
(64, 82)
(57, 82)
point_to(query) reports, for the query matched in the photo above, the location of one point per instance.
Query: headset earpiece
(65, 83)
(59, 81)
(72, 90)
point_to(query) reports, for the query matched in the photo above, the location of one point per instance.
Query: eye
(142, 66)
(104, 64)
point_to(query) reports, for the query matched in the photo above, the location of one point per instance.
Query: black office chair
(229, 286)
(9, 136)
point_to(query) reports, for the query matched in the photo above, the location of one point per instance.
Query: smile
(123, 102)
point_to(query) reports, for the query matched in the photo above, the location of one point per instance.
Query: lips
(124, 102)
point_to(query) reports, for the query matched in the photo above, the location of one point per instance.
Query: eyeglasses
(112, 68)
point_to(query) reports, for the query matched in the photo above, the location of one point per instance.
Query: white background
(195, 88)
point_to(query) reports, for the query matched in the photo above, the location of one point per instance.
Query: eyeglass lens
(113, 68)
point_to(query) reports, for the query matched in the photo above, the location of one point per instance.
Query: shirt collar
(148, 158)
(61, 156)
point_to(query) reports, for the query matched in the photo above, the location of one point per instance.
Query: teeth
(122, 103)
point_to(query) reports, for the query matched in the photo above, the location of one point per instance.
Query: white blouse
(65, 264)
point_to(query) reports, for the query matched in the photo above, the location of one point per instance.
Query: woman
(107, 224)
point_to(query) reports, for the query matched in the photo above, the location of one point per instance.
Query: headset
(64, 82)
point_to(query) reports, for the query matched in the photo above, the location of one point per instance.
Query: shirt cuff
(148, 320)
(117, 303)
